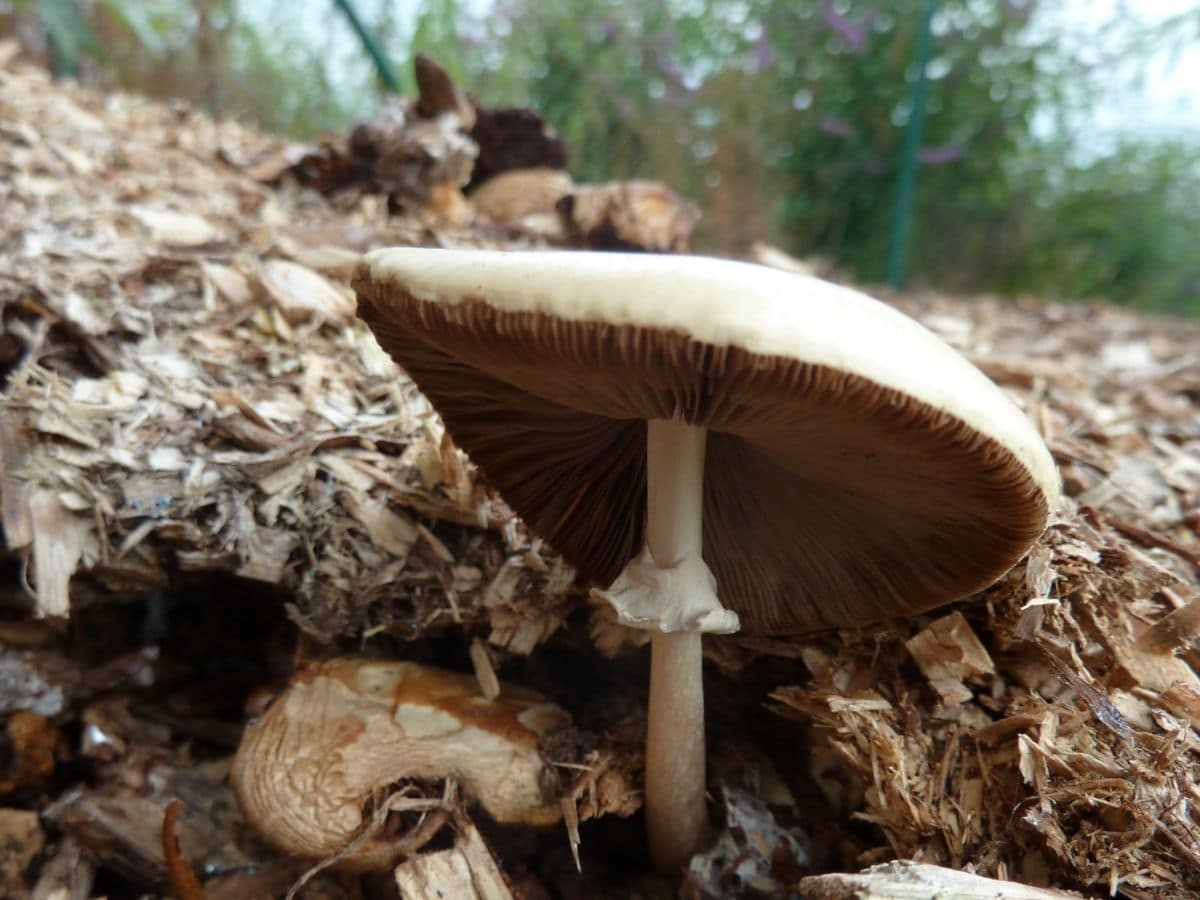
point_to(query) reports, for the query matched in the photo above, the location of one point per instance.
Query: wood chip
(915, 881)
(510, 197)
(303, 295)
(625, 215)
(485, 674)
(15, 512)
(176, 228)
(21, 840)
(948, 652)
(467, 870)
(57, 547)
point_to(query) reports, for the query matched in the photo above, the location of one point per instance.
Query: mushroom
(348, 728)
(682, 428)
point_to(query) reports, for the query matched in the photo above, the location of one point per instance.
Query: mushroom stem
(674, 490)
(676, 817)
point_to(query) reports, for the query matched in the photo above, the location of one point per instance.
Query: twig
(184, 883)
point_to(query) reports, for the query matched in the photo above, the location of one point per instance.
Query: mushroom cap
(346, 729)
(857, 469)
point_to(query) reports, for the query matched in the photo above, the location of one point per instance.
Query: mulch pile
(209, 472)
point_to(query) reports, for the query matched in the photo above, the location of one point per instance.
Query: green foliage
(147, 22)
(852, 82)
(66, 30)
(234, 57)
(280, 77)
(1124, 226)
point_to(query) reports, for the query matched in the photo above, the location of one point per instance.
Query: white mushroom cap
(858, 467)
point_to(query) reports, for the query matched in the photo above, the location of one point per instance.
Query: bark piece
(407, 156)
(629, 215)
(437, 94)
(58, 545)
(948, 652)
(513, 197)
(30, 750)
(513, 138)
(67, 875)
(184, 883)
(467, 870)
(21, 840)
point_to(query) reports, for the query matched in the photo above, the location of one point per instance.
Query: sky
(1167, 102)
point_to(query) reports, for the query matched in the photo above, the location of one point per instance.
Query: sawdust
(187, 406)
(186, 390)
(1036, 737)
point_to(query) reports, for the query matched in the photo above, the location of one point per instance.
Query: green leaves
(69, 33)
(137, 17)
(72, 36)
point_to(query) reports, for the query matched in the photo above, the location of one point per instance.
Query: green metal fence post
(906, 178)
(382, 66)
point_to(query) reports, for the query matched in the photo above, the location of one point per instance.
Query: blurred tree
(228, 56)
(70, 35)
(1124, 227)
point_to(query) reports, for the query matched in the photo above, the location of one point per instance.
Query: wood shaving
(189, 389)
